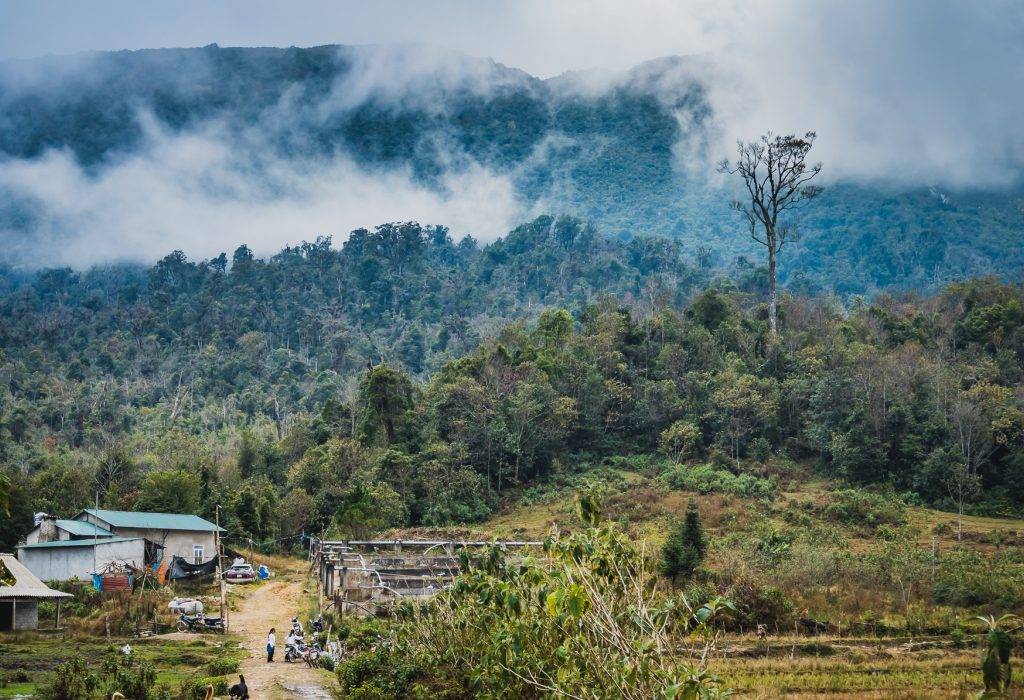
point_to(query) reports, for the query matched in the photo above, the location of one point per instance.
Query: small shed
(20, 593)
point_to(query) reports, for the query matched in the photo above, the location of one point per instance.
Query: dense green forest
(408, 379)
(619, 156)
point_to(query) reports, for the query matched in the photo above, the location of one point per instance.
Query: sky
(926, 89)
(904, 92)
(543, 38)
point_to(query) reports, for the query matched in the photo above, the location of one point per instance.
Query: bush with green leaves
(195, 688)
(864, 509)
(708, 478)
(972, 579)
(380, 672)
(73, 680)
(585, 617)
(222, 666)
(134, 679)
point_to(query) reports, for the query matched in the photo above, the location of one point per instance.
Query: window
(197, 553)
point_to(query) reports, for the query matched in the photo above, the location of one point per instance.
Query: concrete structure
(360, 576)
(63, 560)
(20, 593)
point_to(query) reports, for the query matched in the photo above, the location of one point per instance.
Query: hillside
(427, 377)
(625, 152)
(860, 596)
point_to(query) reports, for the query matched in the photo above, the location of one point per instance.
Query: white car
(240, 573)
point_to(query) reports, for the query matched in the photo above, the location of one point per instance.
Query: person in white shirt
(271, 643)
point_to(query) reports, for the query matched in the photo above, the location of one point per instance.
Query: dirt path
(274, 604)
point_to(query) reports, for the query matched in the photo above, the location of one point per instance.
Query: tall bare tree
(777, 177)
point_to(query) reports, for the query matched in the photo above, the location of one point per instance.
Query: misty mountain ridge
(203, 149)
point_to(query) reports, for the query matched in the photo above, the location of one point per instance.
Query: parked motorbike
(311, 655)
(317, 624)
(199, 623)
(301, 650)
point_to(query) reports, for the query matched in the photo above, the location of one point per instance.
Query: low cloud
(913, 93)
(201, 193)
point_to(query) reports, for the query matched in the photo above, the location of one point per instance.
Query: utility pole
(95, 534)
(220, 577)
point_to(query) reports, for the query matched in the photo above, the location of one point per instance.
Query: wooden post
(217, 571)
(57, 624)
(344, 589)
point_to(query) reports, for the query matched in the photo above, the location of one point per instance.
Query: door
(6, 616)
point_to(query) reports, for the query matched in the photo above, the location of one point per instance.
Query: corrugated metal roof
(81, 527)
(153, 521)
(77, 543)
(26, 585)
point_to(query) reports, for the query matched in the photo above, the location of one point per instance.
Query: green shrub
(864, 509)
(360, 634)
(195, 688)
(588, 613)
(377, 673)
(87, 599)
(758, 604)
(971, 579)
(71, 681)
(708, 478)
(133, 678)
(222, 666)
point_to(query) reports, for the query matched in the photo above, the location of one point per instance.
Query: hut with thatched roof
(20, 593)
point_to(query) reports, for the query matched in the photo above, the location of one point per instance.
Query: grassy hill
(856, 603)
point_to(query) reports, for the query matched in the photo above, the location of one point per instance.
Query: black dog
(239, 690)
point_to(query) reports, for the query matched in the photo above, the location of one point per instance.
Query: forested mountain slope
(216, 345)
(186, 384)
(618, 153)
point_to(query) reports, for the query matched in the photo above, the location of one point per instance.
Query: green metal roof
(77, 543)
(81, 527)
(152, 521)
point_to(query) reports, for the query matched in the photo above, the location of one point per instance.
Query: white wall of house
(64, 563)
(181, 543)
(175, 542)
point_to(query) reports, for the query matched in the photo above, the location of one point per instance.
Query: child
(271, 643)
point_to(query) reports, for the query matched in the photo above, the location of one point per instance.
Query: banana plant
(995, 667)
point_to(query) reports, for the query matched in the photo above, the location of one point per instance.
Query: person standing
(271, 643)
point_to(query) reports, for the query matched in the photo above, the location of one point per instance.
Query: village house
(20, 593)
(59, 550)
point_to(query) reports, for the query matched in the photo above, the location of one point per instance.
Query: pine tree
(686, 546)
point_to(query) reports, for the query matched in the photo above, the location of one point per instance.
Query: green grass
(175, 660)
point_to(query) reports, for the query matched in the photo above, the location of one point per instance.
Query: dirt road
(274, 604)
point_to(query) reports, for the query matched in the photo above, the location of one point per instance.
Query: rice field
(838, 668)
